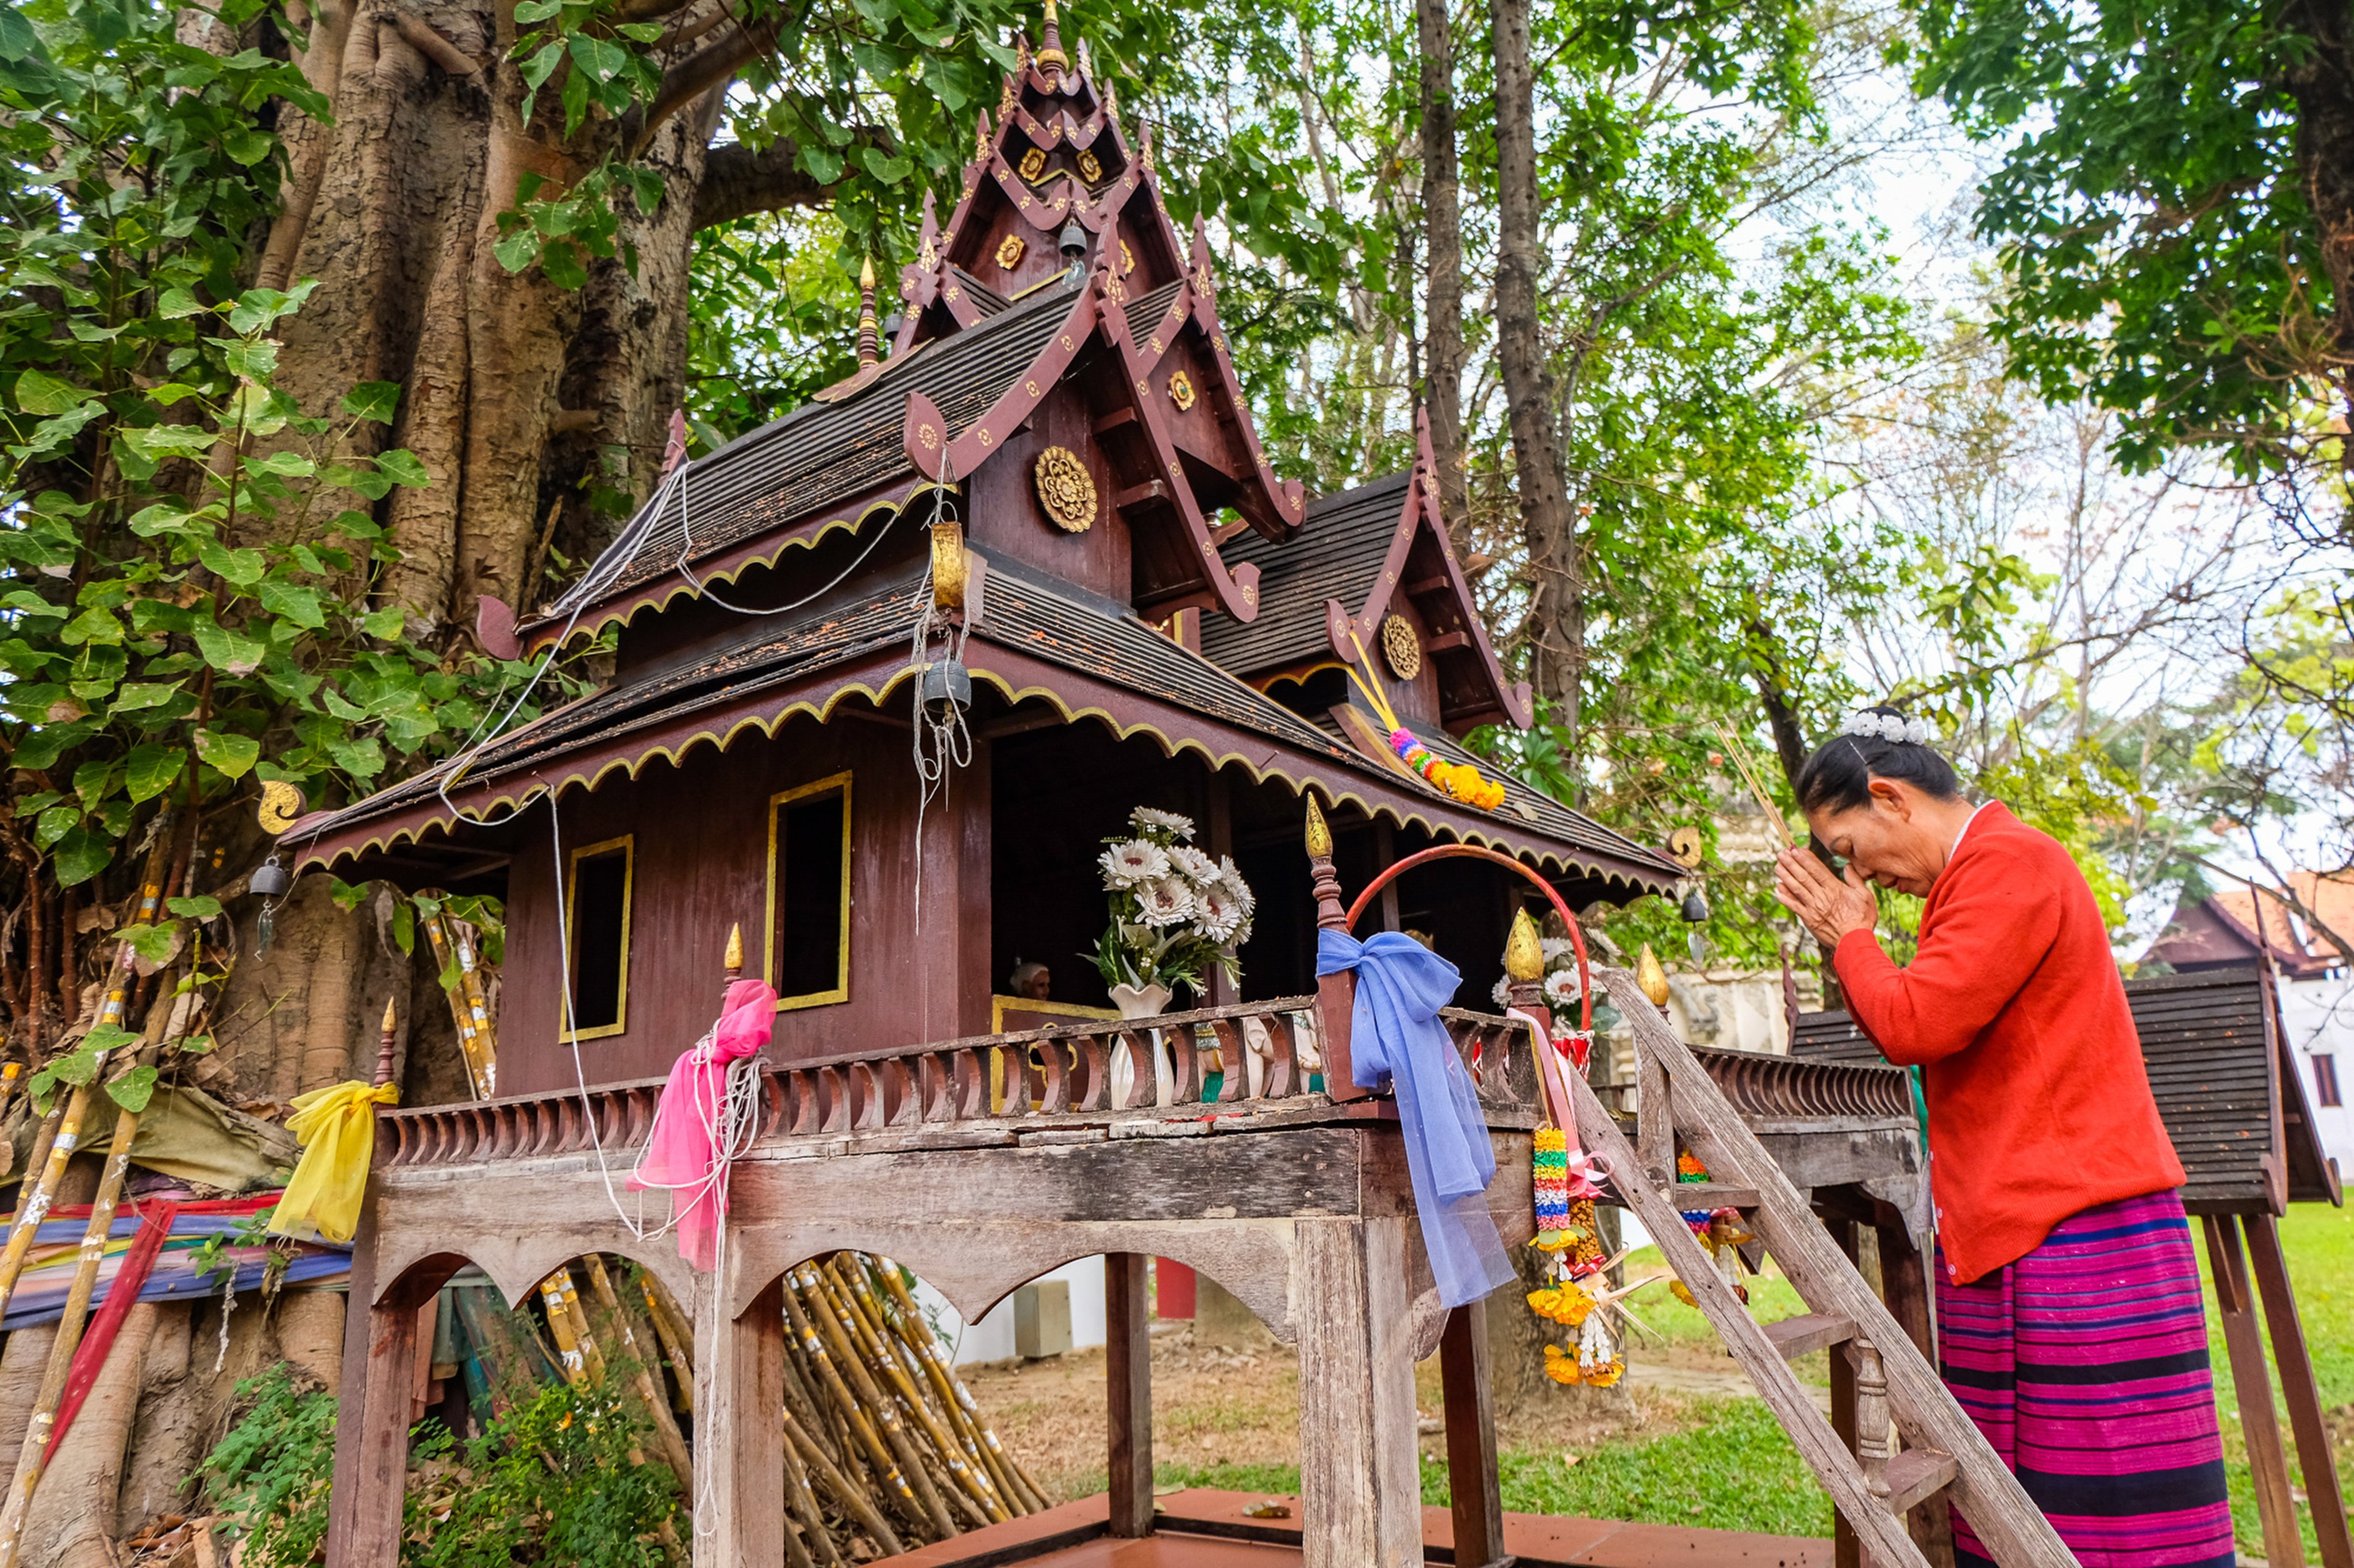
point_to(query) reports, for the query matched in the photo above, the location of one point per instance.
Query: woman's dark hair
(1838, 777)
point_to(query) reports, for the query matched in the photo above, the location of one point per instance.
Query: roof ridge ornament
(1052, 62)
(870, 343)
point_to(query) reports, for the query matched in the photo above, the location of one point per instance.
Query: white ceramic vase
(1141, 1002)
(1136, 1002)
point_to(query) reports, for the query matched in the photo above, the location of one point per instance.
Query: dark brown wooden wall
(700, 865)
(1003, 513)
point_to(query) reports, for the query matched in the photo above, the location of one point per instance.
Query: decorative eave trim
(1018, 677)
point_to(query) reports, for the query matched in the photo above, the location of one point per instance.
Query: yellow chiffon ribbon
(337, 1129)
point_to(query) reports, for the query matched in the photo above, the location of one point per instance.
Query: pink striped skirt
(2086, 1366)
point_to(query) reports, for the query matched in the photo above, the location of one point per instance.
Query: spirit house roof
(1059, 386)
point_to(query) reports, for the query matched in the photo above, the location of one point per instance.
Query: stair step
(1794, 1337)
(1916, 1475)
(1712, 1195)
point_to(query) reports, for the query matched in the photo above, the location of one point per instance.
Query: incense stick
(1740, 756)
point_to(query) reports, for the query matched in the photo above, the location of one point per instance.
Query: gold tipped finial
(734, 947)
(389, 1016)
(1651, 977)
(1052, 61)
(870, 335)
(1319, 837)
(1523, 954)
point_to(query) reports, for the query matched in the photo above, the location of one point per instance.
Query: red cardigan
(2039, 1105)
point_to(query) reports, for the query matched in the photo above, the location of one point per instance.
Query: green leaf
(382, 624)
(193, 909)
(152, 769)
(78, 856)
(136, 695)
(376, 401)
(518, 249)
(176, 304)
(295, 602)
(134, 1090)
(404, 926)
(248, 144)
(889, 170)
(39, 393)
(533, 12)
(601, 58)
(18, 40)
(54, 824)
(292, 465)
(229, 754)
(242, 566)
(402, 467)
(154, 944)
(92, 625)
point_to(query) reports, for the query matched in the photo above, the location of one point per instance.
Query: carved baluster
(800, 1102)
(898, 1091)
(1013, 1072)
(1092, 1063)
(969, 1075)
(1055, 1077)
(932, 1087)
(866, 1109)
(1872, 1449)
(1233, 1070)
(1184, 1062)
(1284, 1078)
(1336, 994)
(833, 1101)
(1142, 1088)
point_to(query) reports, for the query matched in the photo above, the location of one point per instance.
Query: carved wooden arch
(977, 1265)
(517, 1261)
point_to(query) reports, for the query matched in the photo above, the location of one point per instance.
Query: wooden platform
(1204, 1528)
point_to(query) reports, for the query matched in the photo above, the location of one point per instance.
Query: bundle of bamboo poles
(884, 1448)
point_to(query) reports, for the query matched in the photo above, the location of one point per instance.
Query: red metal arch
(1441, 852)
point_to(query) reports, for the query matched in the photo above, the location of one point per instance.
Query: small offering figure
(2071, 1324)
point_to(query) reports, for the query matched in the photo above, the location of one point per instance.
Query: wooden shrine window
(2325, 1081)
(597, 925)
(808, 893)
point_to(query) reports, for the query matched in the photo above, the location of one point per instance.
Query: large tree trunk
(1556, 625)
(167, 1436)
(1443, 235)
(72, 1522)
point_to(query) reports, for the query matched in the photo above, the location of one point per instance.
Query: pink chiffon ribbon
(683, 1153)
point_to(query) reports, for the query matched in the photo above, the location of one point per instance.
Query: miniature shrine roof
(1338, 553)
(1032, 639)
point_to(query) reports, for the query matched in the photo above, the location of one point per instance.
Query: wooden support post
(1128, 1409)
(2259, 1424)
(2316, 1462)
(740, 1430)
(1472, 1479)
(379, 1437)
(351, 1393)
(1336, 995)
(1359, 1482)
(1847, 1550)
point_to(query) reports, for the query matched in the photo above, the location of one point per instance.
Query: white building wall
(992, 1338)
(2319, 1015)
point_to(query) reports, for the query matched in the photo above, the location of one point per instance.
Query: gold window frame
(777, 804)
(628, 844)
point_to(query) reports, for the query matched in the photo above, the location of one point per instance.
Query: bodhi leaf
(134, 1088)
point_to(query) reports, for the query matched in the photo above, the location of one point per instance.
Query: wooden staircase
(1872, 1484)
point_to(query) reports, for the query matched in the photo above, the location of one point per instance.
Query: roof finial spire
(870, 341)
(1052, 61)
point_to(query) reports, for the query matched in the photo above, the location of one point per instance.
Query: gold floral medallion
(1066, 489)
(1010, 251)
(1401, 648)
(1180, 390)
(1033, 163)
(1090, 167)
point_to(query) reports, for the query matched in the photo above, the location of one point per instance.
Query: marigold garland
(1458, 779)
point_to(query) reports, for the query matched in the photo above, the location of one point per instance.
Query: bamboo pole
(817, 1541)
(908, 1326)
(974, 1483)
(886, 1416)
(963, 1395)
(896, 1482)
(959, 1486)
(568, 1338)
(33, 1457)
(666, 1433)
(592, 1356)
(679, 1351)
(854, 1500)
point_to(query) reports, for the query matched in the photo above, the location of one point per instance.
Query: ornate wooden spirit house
(888, 674)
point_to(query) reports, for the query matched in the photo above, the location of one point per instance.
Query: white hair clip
(1889, 728)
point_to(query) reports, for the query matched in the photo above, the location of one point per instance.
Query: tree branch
(738, 180)
(705, 68)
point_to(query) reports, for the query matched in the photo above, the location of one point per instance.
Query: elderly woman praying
(2070, 1320)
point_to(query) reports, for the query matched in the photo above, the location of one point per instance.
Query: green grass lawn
(1726, 1465)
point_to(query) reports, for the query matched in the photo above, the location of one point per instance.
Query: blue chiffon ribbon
(1395, 1037)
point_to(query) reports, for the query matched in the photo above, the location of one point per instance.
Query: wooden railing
(1070, 1072)
(1266, 1057)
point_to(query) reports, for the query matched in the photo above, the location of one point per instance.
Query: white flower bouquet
(1175, 909)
